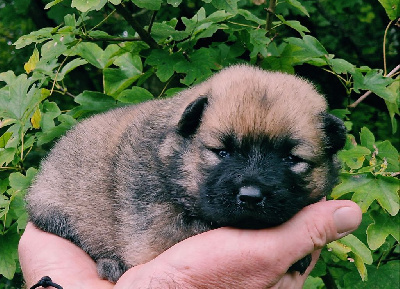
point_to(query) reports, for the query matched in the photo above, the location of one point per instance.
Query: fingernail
(346, 219)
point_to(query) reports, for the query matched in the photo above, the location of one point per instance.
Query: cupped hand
(221, 258)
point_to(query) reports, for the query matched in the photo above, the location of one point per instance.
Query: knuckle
(318, 233)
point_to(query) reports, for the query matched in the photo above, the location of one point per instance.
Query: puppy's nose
(250, 195)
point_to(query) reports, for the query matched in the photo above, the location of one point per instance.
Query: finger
(317, 225)
(43, 254)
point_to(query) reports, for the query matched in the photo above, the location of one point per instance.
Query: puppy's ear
(191, 117)
(335, 133)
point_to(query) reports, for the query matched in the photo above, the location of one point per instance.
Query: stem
(329, 281)
(153, 17)
(384, 47)
(146, 37)
(364, 96)
(104, 20)
(22, 146)
(270, 15)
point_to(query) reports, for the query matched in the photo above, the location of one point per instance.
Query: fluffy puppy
(246, 148)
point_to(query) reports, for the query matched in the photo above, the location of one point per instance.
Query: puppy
(246, 148)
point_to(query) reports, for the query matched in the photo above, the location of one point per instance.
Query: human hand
(221, 258)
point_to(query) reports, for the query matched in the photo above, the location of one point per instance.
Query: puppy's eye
(292, 159)
(221, 153)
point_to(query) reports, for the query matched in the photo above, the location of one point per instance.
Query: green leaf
(393, 107)
(251, 17)
(383, 226)
(227, 5)
(7, 155)
(294, 24)
(392, 8)
(281, 58)
(52, 3)
(164, 31)
(374, 81)
(134, 95)
(55, 47)
(4, 139)
(8, 77)
(20, 182)
(17, 99)
(340, 66)
(70, 66)
(388, 152)
(33, 60)
(118, 79)
(314, 283)
(148, 4)
(339, 249)
(354, 157)
(93, 54)
(90, 52)
(299, 6)
(218, 16)
(368, 188)
(49, 111)
(36, 118)
(69, 20)
(50, 133)
(196, 69)
(87, 5)
(259, 43)
(164, 63)
(367, 139)
(340, 113)
(38, 36)
(93, 102)
(362, 255)
(384, 276)
(9, 253)
(308, 50)
(174, 3)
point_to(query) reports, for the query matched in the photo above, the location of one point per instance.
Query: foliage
(94, 55)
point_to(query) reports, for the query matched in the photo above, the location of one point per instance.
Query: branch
(270, 14)
(108, 39)
(144, 35)
(364, 96)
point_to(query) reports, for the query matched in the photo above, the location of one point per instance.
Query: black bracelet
(46, 282)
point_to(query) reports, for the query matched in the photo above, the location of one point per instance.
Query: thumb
(317, 225)
(227, 256)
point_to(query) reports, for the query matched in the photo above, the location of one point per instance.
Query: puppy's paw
(111, 268)
(301, 265)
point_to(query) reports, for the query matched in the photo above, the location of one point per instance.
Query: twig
(364, 96)
(270, 14)
(146, 37)
(384, 47)
(102, 21)
(153, 17)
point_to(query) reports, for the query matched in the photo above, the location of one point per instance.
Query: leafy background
(61, 61)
